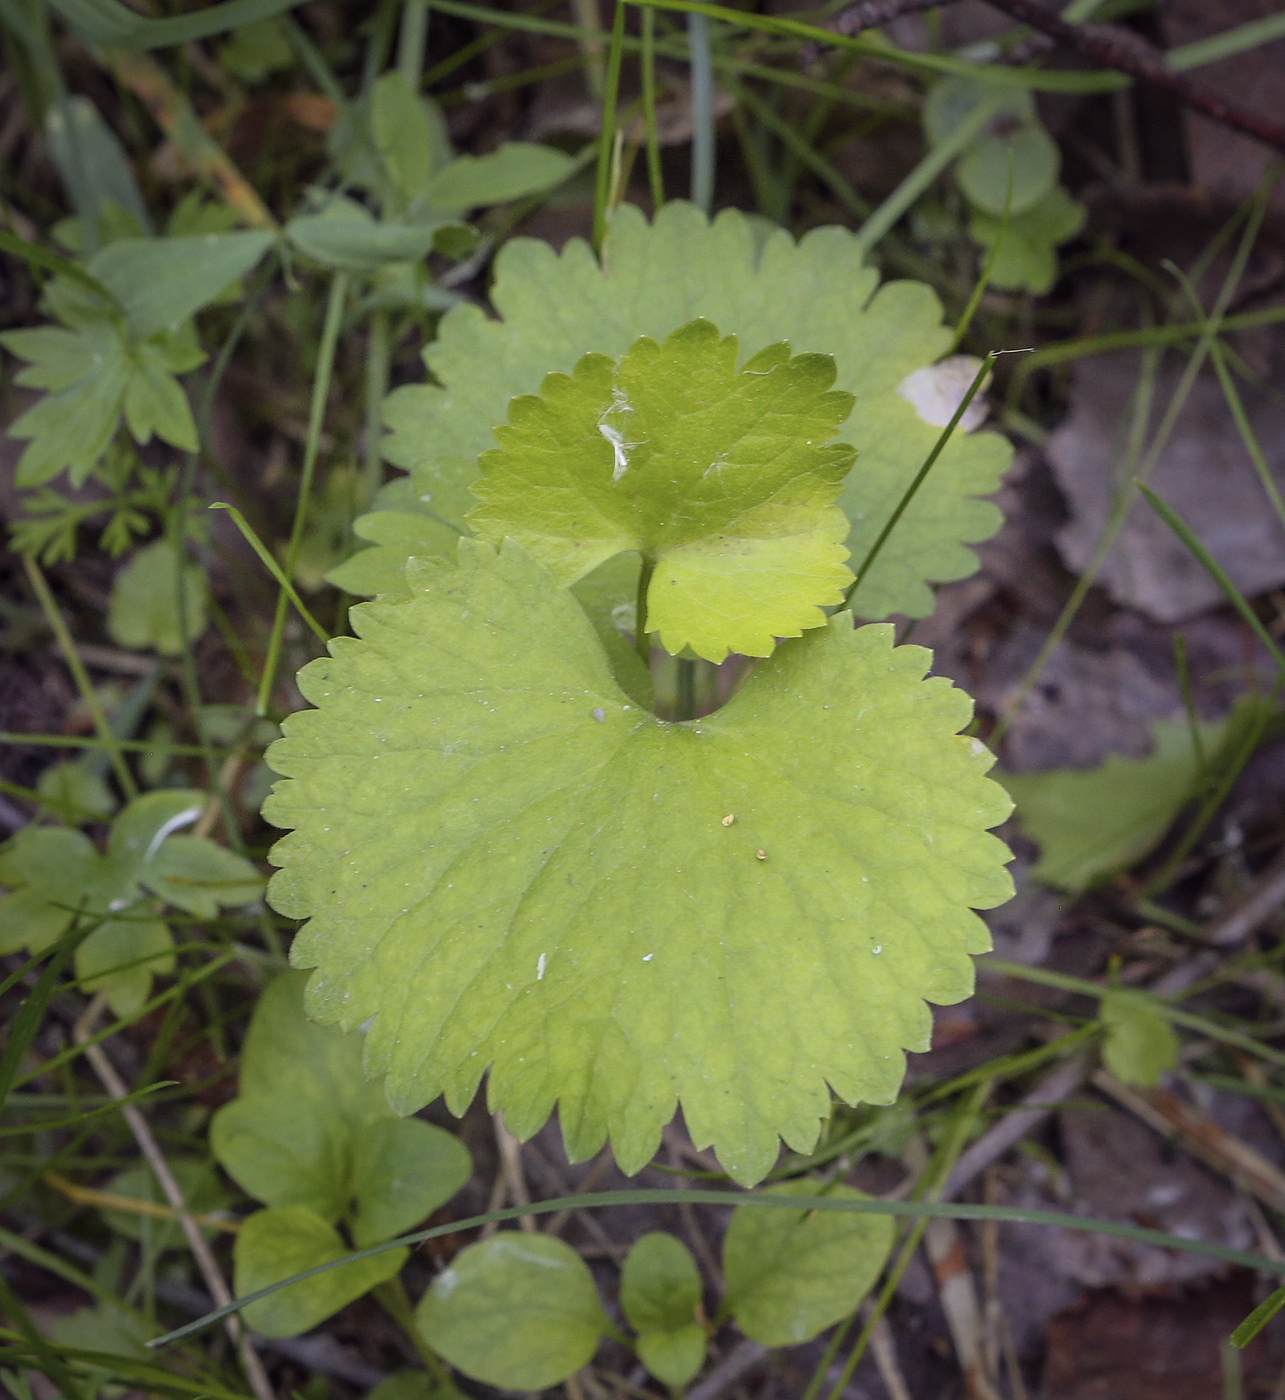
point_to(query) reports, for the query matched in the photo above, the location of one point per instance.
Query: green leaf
(1012, 144)
(71, 427)
(55, 875)
(414, 1385)
(505, 861)
(155, 403)
(91, 161)
(1027, 254)
(403, 133)
(274, 1244)
(74, 792)
(195, 874)
(1090, 823)
(197, 1180)
(791, 1274)
(660, 1292)
(720, 479)
(516, 169)
(556, 307)
(403, 1169)
(257, 50)
(310, 1130)
(144, 607)
(121, 957)
(1141, 1045)
(38, 865)
(163, 281)
(517, 1311)
(347, 236)
(660, 1285)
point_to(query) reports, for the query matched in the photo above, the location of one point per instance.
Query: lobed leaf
(506, 862)
(720, 480)
(554, 308)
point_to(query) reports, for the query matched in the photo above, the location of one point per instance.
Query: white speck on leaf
(539, 968)
(599, 714)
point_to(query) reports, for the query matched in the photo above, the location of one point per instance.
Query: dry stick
(883, 1348)
(511, 1166)
(1129, 53)
(196, 1241)
(130, 1205)
(874, 14)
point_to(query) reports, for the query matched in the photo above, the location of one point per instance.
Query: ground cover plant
(570, 576)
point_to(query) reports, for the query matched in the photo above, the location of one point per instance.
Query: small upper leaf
(723, 480)
(505, 861)
(792, 1273)
(518, 1311)
(555, 307)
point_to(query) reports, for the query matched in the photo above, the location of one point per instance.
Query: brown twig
(874, 14)
(196, 1241)
(1127, 52)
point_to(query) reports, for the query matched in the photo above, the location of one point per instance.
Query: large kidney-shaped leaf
(506, 862)
(815, 295)
(274, 1244)
(722, 481)
(518, 1311)
(792, 1273)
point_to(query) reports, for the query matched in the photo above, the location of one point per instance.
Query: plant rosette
(508, 863)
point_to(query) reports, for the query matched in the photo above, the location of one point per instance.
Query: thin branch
(874, 14)
(196, 1241)
(1127, 52)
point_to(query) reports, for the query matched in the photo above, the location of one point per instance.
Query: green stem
(655, 176)
(378, 357)
(106, 733)
(412, 40)
(702, 77)
(921, 476)
(685, 701)
(641, 643)
(320, 393)
(607, 143)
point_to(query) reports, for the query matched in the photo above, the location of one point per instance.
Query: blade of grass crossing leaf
(920, 477)
(607, 141)
(655, 175)
(320, 393)
(906, 1210)
(1215, 571)
(988, 266)
(269, 563)
(1258, 1319)
(1255, 210)
(77, 667)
